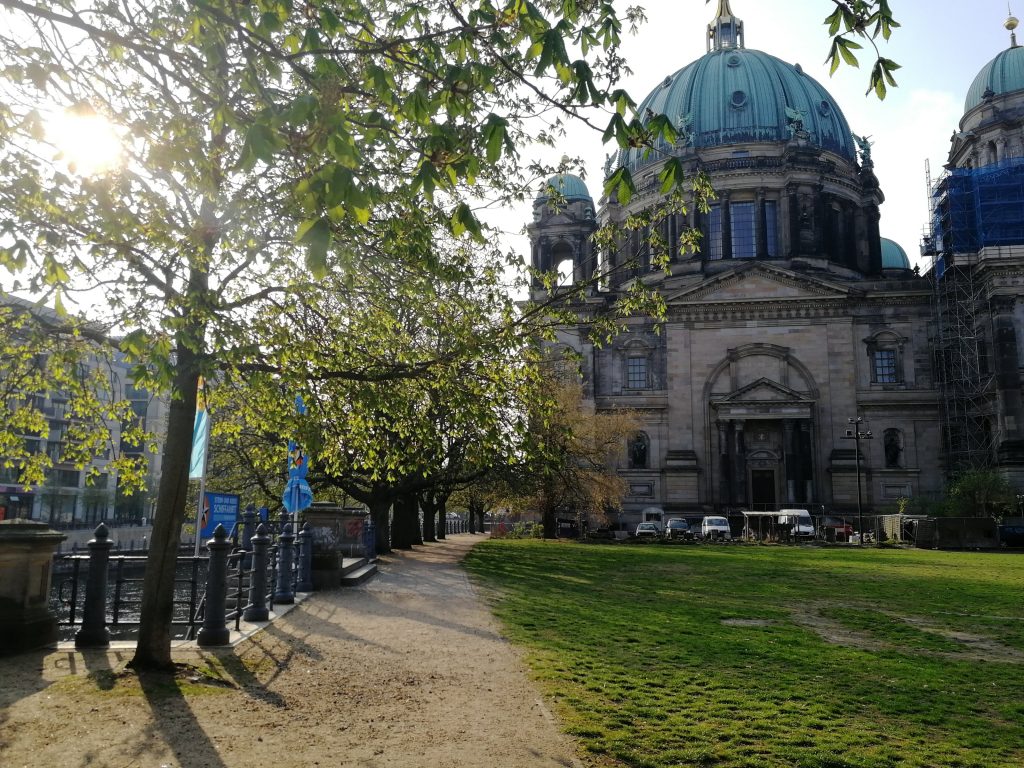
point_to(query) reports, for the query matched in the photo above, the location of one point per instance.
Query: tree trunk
(442, 516)
(470, 521)
(153, 650)
(380, 511)
(548, 518)
(476, 515)
(403, 533)
(429, 507)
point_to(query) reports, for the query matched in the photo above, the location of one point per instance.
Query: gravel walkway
(406, 670)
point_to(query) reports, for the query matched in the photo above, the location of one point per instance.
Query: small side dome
(893, 255)
(568, 185)
(1003, 75)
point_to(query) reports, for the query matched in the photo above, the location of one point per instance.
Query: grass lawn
(738, 655)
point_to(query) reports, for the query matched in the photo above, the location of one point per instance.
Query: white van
(715, 528)
(800, 519)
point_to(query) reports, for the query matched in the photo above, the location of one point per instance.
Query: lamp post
(856, 433)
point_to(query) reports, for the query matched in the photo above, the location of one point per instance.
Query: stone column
(761, 230)
(805, 451)
(724, 465)
(741, 462)
(793, 204)
(26, 550)
(790, 460)
(726, 226)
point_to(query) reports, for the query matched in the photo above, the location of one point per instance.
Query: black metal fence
(98, 596)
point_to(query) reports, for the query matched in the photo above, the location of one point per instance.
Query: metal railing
(231, 584)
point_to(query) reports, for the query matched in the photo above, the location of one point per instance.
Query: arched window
(893, 444)
(639, 450)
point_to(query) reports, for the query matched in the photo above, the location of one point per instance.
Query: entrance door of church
(762, 489)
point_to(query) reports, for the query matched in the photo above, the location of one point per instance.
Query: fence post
(215, 629)
(248, 529)
(305, 537)
(256, 610)
(94, 632)
(284, 593)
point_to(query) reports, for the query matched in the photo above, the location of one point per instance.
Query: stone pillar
(741, 462)
(819, 209)
(793, 204)
(724, 465)
(215, 629)
(761, 229)
(790, 460)
(726, 226)
(805, 452)
(257, 610)
(94, 632)
(26, 550)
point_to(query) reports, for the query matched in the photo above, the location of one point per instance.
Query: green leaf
(463, 220)
(494, 136)
(315, 234)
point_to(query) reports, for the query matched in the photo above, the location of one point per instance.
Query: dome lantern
(725, 30)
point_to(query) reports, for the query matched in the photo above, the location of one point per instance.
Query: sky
(941, 47)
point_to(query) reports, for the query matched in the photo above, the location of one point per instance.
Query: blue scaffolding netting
(975, 208)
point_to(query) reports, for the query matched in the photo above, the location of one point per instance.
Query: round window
(825, 108)
(739, 99)
(733, 60)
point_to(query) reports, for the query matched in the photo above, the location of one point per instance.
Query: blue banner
(218, 509)
(200, 437)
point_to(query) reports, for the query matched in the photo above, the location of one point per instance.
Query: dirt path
(406, 670)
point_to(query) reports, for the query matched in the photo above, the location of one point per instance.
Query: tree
(264, 146)
(572, 468)
(979, 493)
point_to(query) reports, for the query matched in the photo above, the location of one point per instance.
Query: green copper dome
(571, 187)
(739, 96)
(1004, 74)
(893, 255)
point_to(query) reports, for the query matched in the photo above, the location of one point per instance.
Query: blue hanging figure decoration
(297, 493)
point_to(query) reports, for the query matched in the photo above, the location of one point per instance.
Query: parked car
(799, 521)
(1011, 535)
(843, 530)
(715, 528)
(649, 530)
(678, 528)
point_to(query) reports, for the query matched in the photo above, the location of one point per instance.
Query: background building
(796, 316)
(66, 499)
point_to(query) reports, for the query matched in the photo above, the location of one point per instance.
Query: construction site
(977, 230)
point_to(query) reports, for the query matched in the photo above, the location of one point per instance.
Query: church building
(795, 318)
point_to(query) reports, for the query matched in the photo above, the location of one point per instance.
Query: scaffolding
(970, 209)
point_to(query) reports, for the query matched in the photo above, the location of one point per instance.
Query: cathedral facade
(800, 353)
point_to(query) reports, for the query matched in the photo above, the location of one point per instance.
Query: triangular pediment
(763, 391)
(760, 282)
